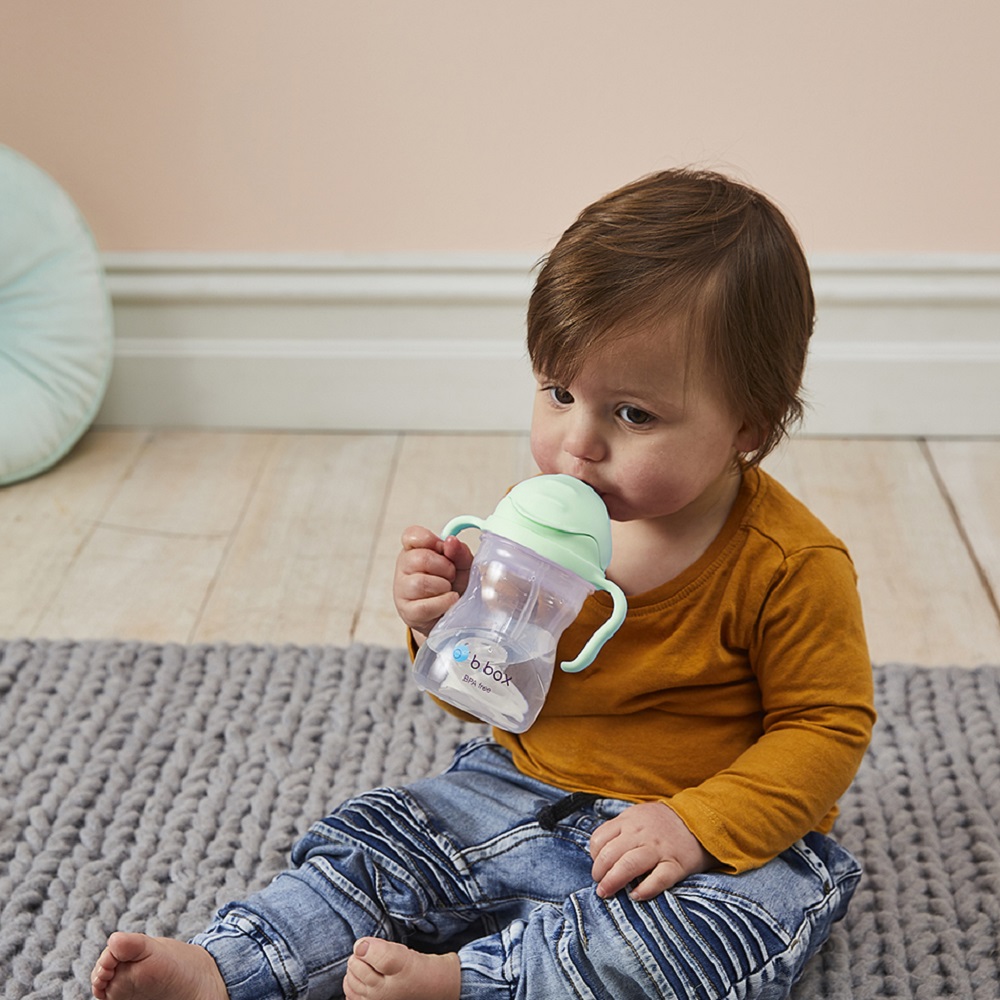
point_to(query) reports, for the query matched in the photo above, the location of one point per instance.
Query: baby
(663, 828)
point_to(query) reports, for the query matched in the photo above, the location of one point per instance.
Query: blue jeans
(461, 863)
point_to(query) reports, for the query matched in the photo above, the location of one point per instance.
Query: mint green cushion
(56, 335)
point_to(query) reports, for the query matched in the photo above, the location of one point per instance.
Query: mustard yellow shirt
(739, 692)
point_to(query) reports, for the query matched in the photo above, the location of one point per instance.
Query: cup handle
(605, 632)
(460, 523)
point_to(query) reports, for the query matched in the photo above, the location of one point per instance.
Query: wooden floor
(273, 538)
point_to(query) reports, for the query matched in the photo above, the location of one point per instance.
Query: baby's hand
(431, 575)
(648, 839)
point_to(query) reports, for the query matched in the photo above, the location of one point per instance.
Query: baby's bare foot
(138, 967)
(385, 970)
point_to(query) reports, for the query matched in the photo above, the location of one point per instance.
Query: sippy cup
(543, 551)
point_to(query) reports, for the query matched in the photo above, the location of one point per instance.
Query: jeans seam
(749, 905)
(266, 940)
(384, 867)
(472, 855)
(584, 936)
(379, 872)
(610, 909)
(705, 947)
(469, 748)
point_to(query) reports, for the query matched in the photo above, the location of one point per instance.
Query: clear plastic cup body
(493, 653)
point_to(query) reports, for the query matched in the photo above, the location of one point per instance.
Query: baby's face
(643, 425)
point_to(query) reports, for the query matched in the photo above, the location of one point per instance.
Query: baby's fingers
(664, 876)
(612, 874)
(461, 557)
(422, 616)
(420, 589)
(418, 537)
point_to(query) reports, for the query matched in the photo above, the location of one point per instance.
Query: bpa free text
(472, 662)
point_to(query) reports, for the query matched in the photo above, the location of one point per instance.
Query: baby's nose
(585, 442)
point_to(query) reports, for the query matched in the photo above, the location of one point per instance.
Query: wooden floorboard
(970, 475)
(296, 569)
(153, 552)
(46, 522)
(923, 598)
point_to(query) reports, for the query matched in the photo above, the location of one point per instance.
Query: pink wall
(407, 125)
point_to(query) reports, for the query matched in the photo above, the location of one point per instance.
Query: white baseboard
(904, 345)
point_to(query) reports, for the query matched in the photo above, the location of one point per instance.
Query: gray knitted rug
(142, 786)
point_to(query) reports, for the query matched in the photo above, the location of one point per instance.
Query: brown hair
(686, 244)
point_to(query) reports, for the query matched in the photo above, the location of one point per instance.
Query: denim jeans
(460, 862)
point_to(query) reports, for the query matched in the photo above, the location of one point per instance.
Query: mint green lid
(566, 522)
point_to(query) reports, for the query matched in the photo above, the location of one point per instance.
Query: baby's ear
(748, 439)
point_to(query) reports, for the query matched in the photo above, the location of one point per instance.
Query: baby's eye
(560, 395)
(633, 415)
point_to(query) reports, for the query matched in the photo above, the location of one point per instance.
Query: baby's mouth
(603, 494)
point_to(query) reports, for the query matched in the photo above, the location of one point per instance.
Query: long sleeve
(812, 666)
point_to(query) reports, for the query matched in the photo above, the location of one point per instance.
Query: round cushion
(56, 334)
